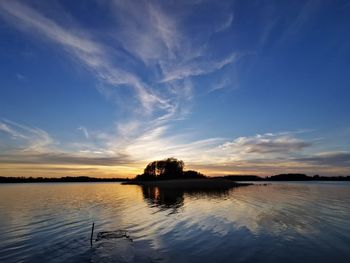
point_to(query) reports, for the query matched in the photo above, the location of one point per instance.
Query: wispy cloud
(197, 68)
(269, 143)
(222, 84)
(333, 159)
(154, 37)
(157, 145)
(77, 42)
(85, 131)
(226, 25)
(63, 158)
(9, 130)
(302, 19)
(149, 35)
(155, 43)
(31, 139)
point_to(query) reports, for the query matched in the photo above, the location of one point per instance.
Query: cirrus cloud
(269, 143)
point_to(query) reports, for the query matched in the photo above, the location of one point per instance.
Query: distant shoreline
(231, 178)
(285, 177)
(68, 179)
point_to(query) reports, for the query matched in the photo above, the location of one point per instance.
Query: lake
(279, 222)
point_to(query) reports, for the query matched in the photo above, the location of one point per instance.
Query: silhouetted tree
(166, 169)
(192, 174)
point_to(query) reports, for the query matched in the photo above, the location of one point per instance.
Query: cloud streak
(150, 35)
(268, 143)
(30, 139)
(227, 24)
(78, 43)
(197, 69)
(84, 131)
(333, 159)
(63, 158)
(155, 43)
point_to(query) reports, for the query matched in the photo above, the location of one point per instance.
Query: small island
(170, 173)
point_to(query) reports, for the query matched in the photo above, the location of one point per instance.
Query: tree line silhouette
(287, 177)
(167, 169)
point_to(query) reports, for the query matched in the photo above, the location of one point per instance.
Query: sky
(101, 88)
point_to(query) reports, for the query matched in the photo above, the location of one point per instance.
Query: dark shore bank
(286, 177)
(202, 184)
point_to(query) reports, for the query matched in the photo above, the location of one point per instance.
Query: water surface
(280, 222)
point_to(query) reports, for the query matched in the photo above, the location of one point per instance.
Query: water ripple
(52, 223)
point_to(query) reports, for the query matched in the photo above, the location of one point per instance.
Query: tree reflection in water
(172, 199)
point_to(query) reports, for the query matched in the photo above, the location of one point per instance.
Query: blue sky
(101, 88)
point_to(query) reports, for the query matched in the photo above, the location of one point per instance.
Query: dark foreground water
(281, 222)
